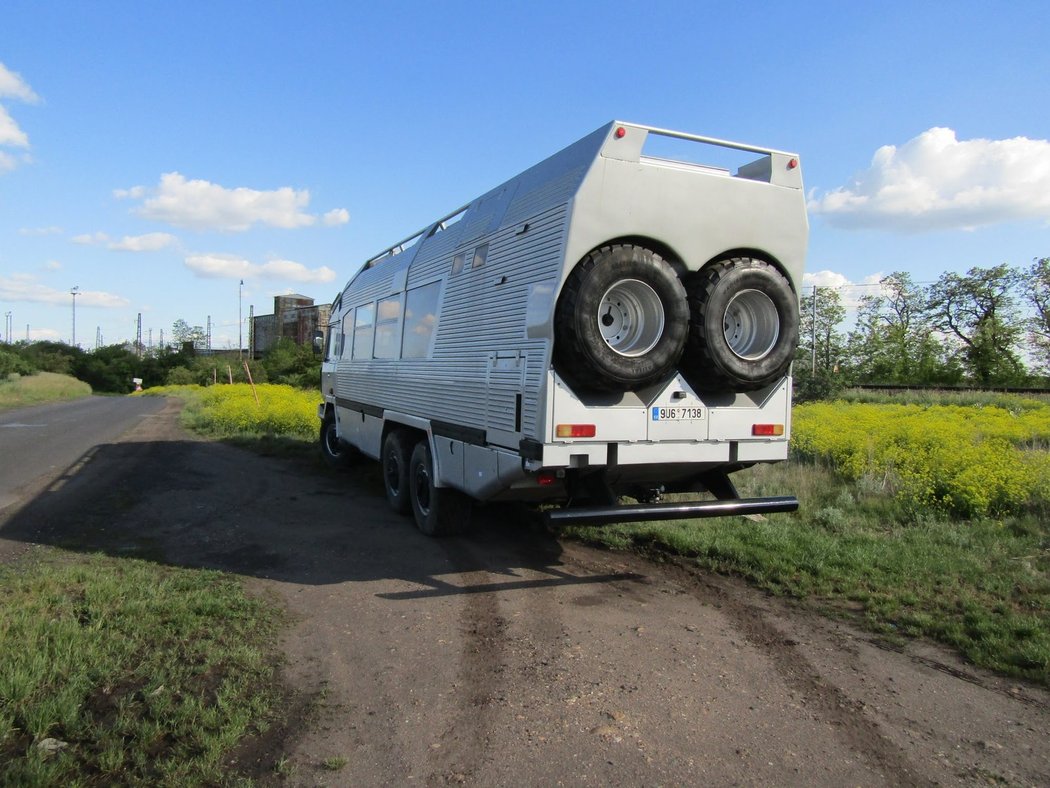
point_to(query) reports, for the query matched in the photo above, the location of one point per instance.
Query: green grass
(148, 674)
(982, 586)
(43, 387)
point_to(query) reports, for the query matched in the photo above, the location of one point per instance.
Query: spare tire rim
(751, 325)
(631, 317)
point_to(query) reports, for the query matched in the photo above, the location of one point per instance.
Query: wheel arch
(761, 254)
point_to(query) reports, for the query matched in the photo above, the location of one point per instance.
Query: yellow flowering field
(229, 410)
(964, 460)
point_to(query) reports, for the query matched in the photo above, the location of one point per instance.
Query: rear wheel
(439, 511)
(393, 459)
(743, 327)
(621, 320)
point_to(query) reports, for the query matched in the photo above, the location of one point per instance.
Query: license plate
(677, 414)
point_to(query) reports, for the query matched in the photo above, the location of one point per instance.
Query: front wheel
(439, 511)
(333, 450)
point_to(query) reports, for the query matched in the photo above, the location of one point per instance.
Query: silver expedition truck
(614, 321)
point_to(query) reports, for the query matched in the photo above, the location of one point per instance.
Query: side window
(333, 341)
(363, 323)
(346, 332)
(388, 324)
(458, 261)
(421, 306)
(480, 255)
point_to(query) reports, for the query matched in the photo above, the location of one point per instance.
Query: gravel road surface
(511, 658)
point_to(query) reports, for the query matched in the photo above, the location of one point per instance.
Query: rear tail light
(767, 430)
(546, 478)
(574, 431)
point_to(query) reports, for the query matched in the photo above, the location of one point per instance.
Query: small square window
(480, 255)
(458, 262)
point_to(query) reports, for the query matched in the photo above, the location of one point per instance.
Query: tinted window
(363, 331)
(420, 320)
(480, 255)
(388, 324)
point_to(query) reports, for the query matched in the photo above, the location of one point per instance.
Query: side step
(607, 515)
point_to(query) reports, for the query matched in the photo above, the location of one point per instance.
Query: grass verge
(23, 391)
(127, 672)
(982, 586)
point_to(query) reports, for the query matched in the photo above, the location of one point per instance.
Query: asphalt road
(37, 444)
(509, 657)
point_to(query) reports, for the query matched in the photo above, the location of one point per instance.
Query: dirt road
(510, 658)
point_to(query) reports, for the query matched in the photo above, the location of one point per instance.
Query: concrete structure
(294, 316)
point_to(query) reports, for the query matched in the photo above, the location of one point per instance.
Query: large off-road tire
(333, 450)
(621, 320)
(743, 327)
(439, 511)
(393, 459)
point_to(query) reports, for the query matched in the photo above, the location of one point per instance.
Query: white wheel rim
(631, 317)
(751, 325)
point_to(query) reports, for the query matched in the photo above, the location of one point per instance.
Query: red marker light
(575, 430)
(546, 478)
(767, 429)
(621, 132)
(792, 164)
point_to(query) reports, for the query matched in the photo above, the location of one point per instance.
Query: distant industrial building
(294, 316)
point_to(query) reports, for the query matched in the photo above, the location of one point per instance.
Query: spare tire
(621, 320)
(743, 325)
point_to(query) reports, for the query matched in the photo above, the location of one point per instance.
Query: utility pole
(251, 331)
(7, 327)
(813, 336)
(240, 323)
(75, 292)
(98, 337)
(208, 338)
(138, 335)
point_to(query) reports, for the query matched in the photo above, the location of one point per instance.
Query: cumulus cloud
(849, 291)
(202, 205)
(150, 242)
(12, 86)
(937, 182)
(52, 230)
(25, 288)
(226, 266)
(336, 217)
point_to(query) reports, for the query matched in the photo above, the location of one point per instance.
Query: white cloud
(13, 86)
(22, 287)
(90, 239)
(52, 265)
(10, 134)
(43, 334)
(202, 205)
(936, 182)
(150, 242)
(850, 292)
(225, 266)
(52, 230)
(335, 217)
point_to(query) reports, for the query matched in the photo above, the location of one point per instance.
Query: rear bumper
(686, 510)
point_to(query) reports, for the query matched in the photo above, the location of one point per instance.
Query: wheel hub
(751, 325)
(631, 317)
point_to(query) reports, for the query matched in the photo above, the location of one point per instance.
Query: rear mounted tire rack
(610, 515)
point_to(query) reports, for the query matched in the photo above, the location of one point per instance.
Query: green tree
(894, 340)
(979, 310)
(1037, 296)
(182, 332)
(821, 350)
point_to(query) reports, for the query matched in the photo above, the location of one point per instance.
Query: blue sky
(155, 154)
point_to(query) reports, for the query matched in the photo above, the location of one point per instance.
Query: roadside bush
(965, 461)
(231, 411)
